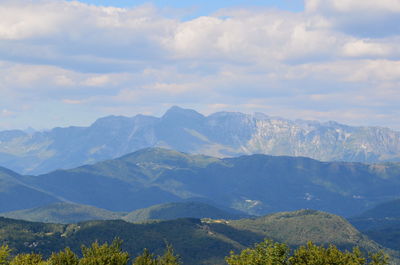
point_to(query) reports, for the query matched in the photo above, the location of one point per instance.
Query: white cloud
(360, 48)
(103, 58)
(376, 71)
(367, 18)
(350, 6)
(100, 80)
(7, 113)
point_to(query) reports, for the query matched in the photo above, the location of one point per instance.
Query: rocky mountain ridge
(222, 134)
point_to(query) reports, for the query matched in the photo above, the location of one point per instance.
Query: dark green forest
(264, 253)
(196, 241)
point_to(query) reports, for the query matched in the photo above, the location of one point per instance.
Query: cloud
(360, 48)
(365, 18)
(101, 80)
(7, 113)
(69, 34)
(73, 101)
(337, 56)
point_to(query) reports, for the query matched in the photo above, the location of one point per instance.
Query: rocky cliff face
(220, 134)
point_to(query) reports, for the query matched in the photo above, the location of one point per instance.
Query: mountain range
(254, 184)
(222, 134)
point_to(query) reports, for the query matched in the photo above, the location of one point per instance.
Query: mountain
(196, 241)
(299, 227)
(170, 211)
(220, 134)
(15, 194)
(383, 214)
(63, 213)
(386, 210)
(67, 213)
(381, 223)
(255, 184)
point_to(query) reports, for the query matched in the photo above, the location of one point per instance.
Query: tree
(264, 253)
(318, 255)
(104, 254)
(66, 257)
(168, 258)
(270, 253)
(379, 258)
(4, 255)
(146, 258)
(28, 259)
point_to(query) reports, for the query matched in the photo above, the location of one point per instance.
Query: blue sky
(206, 7)
(70, 62)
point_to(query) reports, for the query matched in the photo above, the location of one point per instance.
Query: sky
(68, 63)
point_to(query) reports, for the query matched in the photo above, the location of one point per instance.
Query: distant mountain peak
(110, 121)
(178, 112)
(222, 134)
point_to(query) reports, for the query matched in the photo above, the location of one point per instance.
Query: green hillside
(197, 242)
(256, 184)
(383, 215)
(390, 209)
(170, 211)
(66, 213)
(16, 194)
(63, 213)
(296, 228)
(381, 223)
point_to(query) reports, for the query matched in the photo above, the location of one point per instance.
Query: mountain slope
(15, 194)
(386, 210)
(66, 213)
(382, 215)
(296, 228)
(63, 213)
(220, 134)
(255, 184)
(198, 242)
(170, 211)
(381, 223)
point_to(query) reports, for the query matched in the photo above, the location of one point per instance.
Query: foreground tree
(28, 259)
(66, 257)
(314, 255)
(4, 255)
(146, 258)
(270, 253)
(169, 258)
(264, 253)
(104, 254)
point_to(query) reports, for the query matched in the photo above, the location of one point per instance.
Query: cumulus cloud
(366, 18)
(106, 60)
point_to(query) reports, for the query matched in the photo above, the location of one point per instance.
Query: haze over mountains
(220, 134)
(255, 184)
(381, 223)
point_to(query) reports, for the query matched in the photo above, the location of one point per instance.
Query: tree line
(264, 253)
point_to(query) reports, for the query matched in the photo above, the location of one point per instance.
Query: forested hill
(220, 134)
(255, 184)
(196, 241)
(65, 213)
